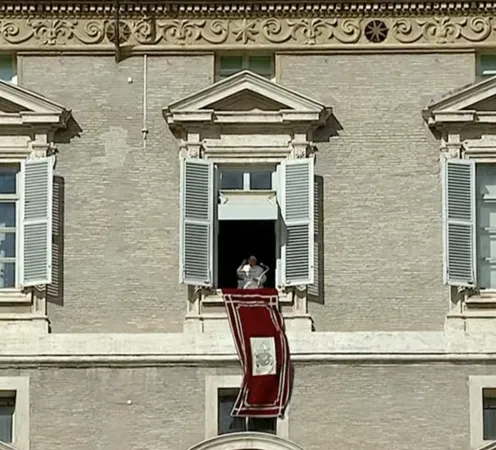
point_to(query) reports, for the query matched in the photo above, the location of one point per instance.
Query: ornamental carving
(292, 32)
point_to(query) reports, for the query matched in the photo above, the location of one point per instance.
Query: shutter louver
(459, 222)
(37, 222)
(197, 222)
(316, 289)
(297, 210)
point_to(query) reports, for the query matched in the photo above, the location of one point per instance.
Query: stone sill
(216, 299)
(484, 300)
(13, 296)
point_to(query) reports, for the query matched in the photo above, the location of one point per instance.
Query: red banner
(258, 329)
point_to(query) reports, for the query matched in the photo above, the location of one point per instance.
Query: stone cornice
(308, 32)
(218, 348)
(217, 8)
(147, 26)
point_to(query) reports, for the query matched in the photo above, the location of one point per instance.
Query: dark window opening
(229, 424)
(240, 239)
(7, 409)
(489, 414)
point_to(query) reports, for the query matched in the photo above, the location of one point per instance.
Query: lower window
(7, 411)
(14, 411)
(221, 392)
(230, 424)
(489, 414)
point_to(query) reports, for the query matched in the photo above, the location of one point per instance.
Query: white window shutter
(36, 267)
(197, 215)
(459, 222)
(296, 191)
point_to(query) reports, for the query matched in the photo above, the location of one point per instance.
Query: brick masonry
(121, 200)
(338, 407)
(383, 252)
(382, 208)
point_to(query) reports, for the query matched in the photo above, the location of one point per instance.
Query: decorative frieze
(195, 34)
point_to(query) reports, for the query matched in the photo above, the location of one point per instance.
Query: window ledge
(215, 299)
(483, 300)
(14, 297)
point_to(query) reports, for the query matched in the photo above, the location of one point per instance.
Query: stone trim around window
(476, 385)
(19, 385)
(212, 385)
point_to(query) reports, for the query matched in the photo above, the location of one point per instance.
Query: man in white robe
(251, 275)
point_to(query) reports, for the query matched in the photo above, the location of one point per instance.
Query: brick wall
(382, 212)
(121, 200)
(338, 407)
(383, 252)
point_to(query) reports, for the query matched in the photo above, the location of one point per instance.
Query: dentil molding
(196, 31)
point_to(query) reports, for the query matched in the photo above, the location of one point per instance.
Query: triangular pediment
(4, 446)
(475, 101)
(245, 91)
(490, 446)
(28, 107)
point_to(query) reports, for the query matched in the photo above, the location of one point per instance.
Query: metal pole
(117, 30)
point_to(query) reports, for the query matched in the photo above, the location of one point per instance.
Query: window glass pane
(7, 275)
(231, 179)
(489, 414)
(7, 245)
(261, 65)
(261, 180)
(8, 180)
(7, 68)
(227, 423)
(7, 214)
(229, 65)
(6, 416)
(231, 62)
(486, 225)
(488, 65)
(263, 425)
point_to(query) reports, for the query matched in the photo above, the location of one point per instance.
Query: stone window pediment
(472, 104)
(20, 106)
(245, 97)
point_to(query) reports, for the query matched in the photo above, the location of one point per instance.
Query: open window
(230, 213)
(25, 223)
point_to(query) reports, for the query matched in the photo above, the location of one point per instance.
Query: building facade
(147, 147)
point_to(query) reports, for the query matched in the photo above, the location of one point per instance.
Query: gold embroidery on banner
(295, 32)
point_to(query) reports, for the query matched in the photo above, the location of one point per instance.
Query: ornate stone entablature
(198, 26)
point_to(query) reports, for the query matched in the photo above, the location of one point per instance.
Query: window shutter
(196, 222)
(296, 200)
(316, 289)
(459, 222)
(37, 222)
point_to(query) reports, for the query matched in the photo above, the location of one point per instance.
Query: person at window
(251, 275)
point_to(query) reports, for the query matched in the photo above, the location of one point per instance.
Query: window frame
(477, 227)
(18, 197)
(20, 387)
(478, 66)
(247, 172)
(214, 383)
(234, 392)
(245, 63)
(9, 397)
(15, 76)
